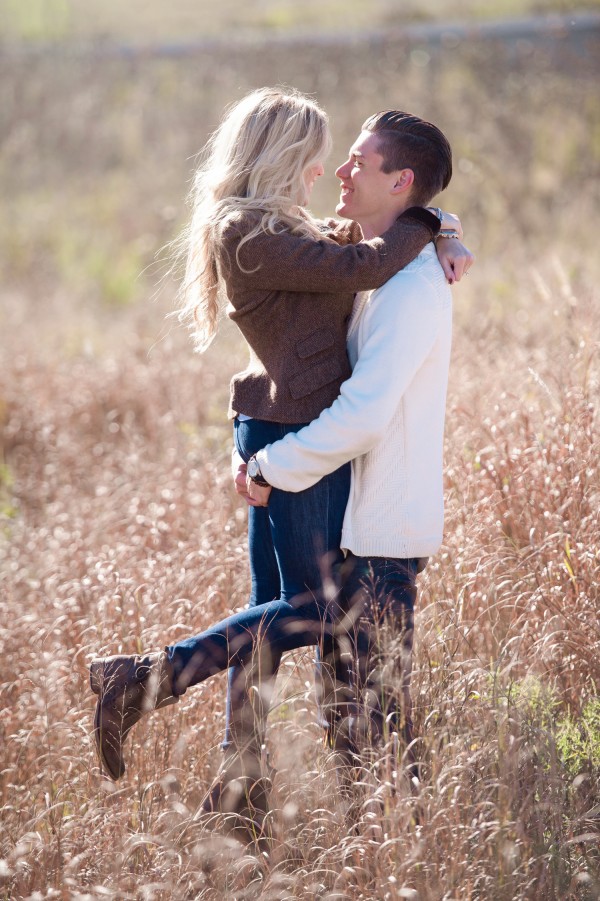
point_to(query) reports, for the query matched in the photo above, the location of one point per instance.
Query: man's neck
(375, 226)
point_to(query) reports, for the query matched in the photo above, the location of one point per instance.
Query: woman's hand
(257, 495)
(455, 259)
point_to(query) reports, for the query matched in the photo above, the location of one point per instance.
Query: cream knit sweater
(388, 418)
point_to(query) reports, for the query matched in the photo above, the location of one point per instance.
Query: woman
(290, 281)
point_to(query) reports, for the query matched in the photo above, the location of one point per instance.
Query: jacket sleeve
(286, 262)
(399, 337)
(342, 231)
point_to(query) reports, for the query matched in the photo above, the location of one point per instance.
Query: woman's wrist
(450, 226)
(447, 233)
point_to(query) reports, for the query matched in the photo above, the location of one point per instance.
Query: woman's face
(310, 176)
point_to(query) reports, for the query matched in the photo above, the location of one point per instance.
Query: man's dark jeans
(380, 593)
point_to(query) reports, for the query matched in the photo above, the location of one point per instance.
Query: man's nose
(344, 170)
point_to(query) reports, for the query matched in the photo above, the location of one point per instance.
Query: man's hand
(257, 495)
(239, 481)
(454, 257)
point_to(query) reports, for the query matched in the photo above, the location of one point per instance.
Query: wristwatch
(253, 470)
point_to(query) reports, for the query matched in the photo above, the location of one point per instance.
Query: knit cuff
(430, 220)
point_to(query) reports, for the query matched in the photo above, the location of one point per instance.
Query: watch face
(253, 468)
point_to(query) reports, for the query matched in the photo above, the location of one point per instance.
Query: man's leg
(385, 590)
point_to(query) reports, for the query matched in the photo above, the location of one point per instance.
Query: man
(389, 417)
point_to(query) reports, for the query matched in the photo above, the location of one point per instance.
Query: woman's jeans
(294, 547)
(292, 539)
(365, 632)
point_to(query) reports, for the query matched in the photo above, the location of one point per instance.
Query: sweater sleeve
(286, 262)
(399, 337)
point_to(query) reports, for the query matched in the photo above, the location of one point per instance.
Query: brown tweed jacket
(293, 306)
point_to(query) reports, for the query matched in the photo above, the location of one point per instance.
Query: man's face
(366, 191)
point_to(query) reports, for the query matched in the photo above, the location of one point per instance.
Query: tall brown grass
(120, 529)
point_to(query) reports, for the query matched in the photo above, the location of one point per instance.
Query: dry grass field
(120, 531)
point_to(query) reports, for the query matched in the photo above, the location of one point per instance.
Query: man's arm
(399, 337)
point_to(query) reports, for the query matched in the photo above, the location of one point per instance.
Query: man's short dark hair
(408, 142)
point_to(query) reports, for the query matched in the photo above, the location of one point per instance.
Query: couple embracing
(338, 425)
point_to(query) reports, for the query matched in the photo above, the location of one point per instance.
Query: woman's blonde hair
(255, 161)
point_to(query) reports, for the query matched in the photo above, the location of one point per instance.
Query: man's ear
(404, 180)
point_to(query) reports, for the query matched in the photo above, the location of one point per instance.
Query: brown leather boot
(127, 688)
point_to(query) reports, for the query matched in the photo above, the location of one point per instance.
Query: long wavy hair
(255, 161)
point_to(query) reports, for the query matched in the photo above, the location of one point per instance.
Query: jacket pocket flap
(316, 377)
(315, 343)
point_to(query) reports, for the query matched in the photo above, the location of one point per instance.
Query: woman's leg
(257, 635)
(306, 526)
(307, 530)
(265, 587)
(305, 534)
(303, 527)
(130, 686)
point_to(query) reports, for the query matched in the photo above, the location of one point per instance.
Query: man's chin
(342, 210)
